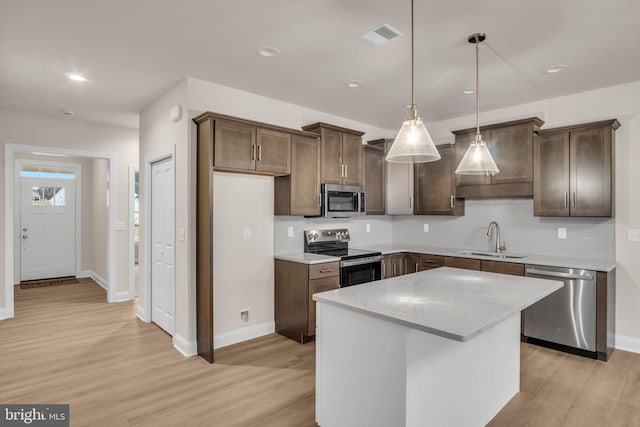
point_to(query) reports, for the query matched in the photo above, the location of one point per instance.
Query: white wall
(621, 102)
(243, 267)
(590, 238)
(380, 233)
(98, 221)
(39, 130)
(159, 134)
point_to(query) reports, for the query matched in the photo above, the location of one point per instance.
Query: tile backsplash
(590, 238)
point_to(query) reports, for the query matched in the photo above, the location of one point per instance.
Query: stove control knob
(315, 236)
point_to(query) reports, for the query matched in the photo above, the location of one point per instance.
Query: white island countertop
(448, 302)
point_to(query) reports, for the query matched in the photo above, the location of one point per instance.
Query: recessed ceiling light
(77, 77)
(268, 51)
(355, 83)
(469, 91)
(555, 69)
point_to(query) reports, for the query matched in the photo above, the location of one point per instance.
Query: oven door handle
(360, 261)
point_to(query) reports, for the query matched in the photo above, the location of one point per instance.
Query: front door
(47, 228)
(163, 245)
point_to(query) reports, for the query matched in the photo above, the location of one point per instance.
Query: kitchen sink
(491, 254)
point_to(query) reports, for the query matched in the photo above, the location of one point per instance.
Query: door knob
(24, 236)
(24, 228)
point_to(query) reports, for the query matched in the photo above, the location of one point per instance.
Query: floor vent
(381, 35)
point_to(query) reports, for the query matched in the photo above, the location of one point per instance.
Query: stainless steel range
(356, 265)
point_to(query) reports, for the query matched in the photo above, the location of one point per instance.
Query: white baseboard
(140, 312)
(121, 296)
(243, 334)
(96, 278)
(187, 348)
(628, 344)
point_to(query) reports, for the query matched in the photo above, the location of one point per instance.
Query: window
(48, 196)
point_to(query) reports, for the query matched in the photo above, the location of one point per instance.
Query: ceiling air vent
(381, 35)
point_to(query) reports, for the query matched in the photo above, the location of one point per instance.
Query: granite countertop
(449, 302)
(551, 261)
(307, 258)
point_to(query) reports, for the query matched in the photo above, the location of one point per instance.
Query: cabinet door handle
(346, 171)
(259, 152)
(452, 201)
(341, 171)
(384, 270)
(325, 270)
(417, 267)
(573, 199)
(428, 261)
(253, 152)
(566, 199)
(410, 203)
(319, 199)
(394, 268)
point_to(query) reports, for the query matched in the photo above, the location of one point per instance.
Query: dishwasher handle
(559, 274)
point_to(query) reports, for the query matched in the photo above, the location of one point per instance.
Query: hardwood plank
(68, 345)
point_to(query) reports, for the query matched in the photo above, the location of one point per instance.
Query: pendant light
(477, 160)
(413, 144)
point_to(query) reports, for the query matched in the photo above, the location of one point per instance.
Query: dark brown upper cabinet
(434, 185)
(574, 170)
(340, 154)
(511, 145)
(374, 179)
(299, 192)
(248, 147)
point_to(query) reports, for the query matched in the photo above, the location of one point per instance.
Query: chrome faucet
(499, 247)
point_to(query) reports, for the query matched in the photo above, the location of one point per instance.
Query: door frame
(112, 267)
(77, 168)
(133, 291)
(144, 309)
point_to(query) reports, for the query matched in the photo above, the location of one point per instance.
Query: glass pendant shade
(477, 160)
(413, 144)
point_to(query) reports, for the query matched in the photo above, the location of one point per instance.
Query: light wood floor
(67, 345)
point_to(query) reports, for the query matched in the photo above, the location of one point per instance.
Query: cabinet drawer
(431, 261)
(315, 286)
(503, 267)
(468, 263)
(327, 269)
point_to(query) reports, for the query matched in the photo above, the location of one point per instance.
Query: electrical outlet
(368, 228)
(633, 235)
(562, 233)
(290, 231)
(246, 233)
(425, 228)
(244, 316)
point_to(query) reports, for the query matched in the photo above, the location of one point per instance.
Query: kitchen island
(440, 347)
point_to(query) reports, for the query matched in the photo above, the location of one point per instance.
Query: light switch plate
(246, 233)
(425, 228)
(368, 228)
(634, 235)
(289, 231)
(181, 234)
(119, 226)
(562, 233)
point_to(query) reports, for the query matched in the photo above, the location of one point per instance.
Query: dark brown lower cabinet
(392, 265)
(411, 263)
(295, 284)
(512, 268)
(466, 263)
(427, 261)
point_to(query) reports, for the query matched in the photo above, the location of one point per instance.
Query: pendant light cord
(412, 66)
(477, 87)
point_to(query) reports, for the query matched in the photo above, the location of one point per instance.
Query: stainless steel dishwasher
(568, 316)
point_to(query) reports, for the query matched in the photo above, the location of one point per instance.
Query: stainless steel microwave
(342, 201)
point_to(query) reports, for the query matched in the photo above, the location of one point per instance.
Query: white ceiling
(133, 50)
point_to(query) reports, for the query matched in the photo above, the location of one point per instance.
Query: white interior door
(163, 245)
(47, 228)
